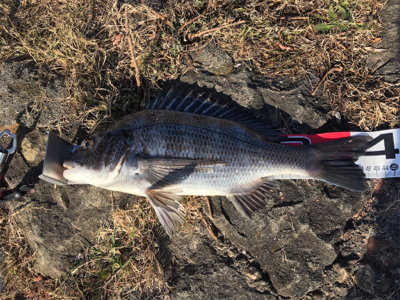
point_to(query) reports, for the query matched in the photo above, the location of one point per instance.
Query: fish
(187, 145)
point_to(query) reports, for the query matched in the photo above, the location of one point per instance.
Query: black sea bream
(192, 146)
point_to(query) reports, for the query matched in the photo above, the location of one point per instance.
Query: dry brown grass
(123, 259)
(85, 42)
(192, 206)
(19, 259)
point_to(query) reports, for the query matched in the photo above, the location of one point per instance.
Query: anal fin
(254, 197)
(168, 209)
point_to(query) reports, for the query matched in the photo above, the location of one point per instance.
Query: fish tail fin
(335, 162)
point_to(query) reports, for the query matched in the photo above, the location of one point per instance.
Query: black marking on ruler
(390, 151)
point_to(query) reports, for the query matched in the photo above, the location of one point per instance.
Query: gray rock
(202, 270)
(293, 241)
(253, 273)
(29, 100)
(215, 61)
(365, 278)
(271, 100)
(387, 63)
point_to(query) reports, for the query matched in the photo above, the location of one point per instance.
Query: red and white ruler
(382, 160)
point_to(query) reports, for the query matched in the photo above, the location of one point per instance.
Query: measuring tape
(382, 160)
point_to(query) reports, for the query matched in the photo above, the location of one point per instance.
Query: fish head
(98, 160)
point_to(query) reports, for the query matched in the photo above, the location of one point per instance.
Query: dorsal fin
(206, 107)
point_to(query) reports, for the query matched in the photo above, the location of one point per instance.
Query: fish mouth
(71, 164)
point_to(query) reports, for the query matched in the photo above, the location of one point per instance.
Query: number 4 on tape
(389, 150)
(382, 159)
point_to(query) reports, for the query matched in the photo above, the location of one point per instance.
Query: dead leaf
(284, 48)
(116, 39)
(40, 277)
(377, 40)
(374, 49)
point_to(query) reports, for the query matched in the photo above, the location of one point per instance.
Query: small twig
(112, 206)
(191, 65)
(389, 85)
(377, 188)
(389, 207)
(192, 36)
(169, 23)
(390, 99)
(295, 18)
(67, 84)
(208, 227)
(209, 206)
(17, 211)
(286, 124)
(339, 69)
(188, 22)
(128, 34)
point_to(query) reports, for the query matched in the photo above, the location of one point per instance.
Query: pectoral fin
(254, 197)
(162, 172)
(168, 209)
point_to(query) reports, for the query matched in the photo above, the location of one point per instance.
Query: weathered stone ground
(313, 240)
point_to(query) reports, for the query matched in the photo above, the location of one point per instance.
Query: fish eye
(87, 143)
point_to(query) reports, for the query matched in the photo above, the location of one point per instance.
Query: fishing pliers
(19, 191)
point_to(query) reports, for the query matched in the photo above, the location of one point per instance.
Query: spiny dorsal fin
(206, 107)
(253, 198)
